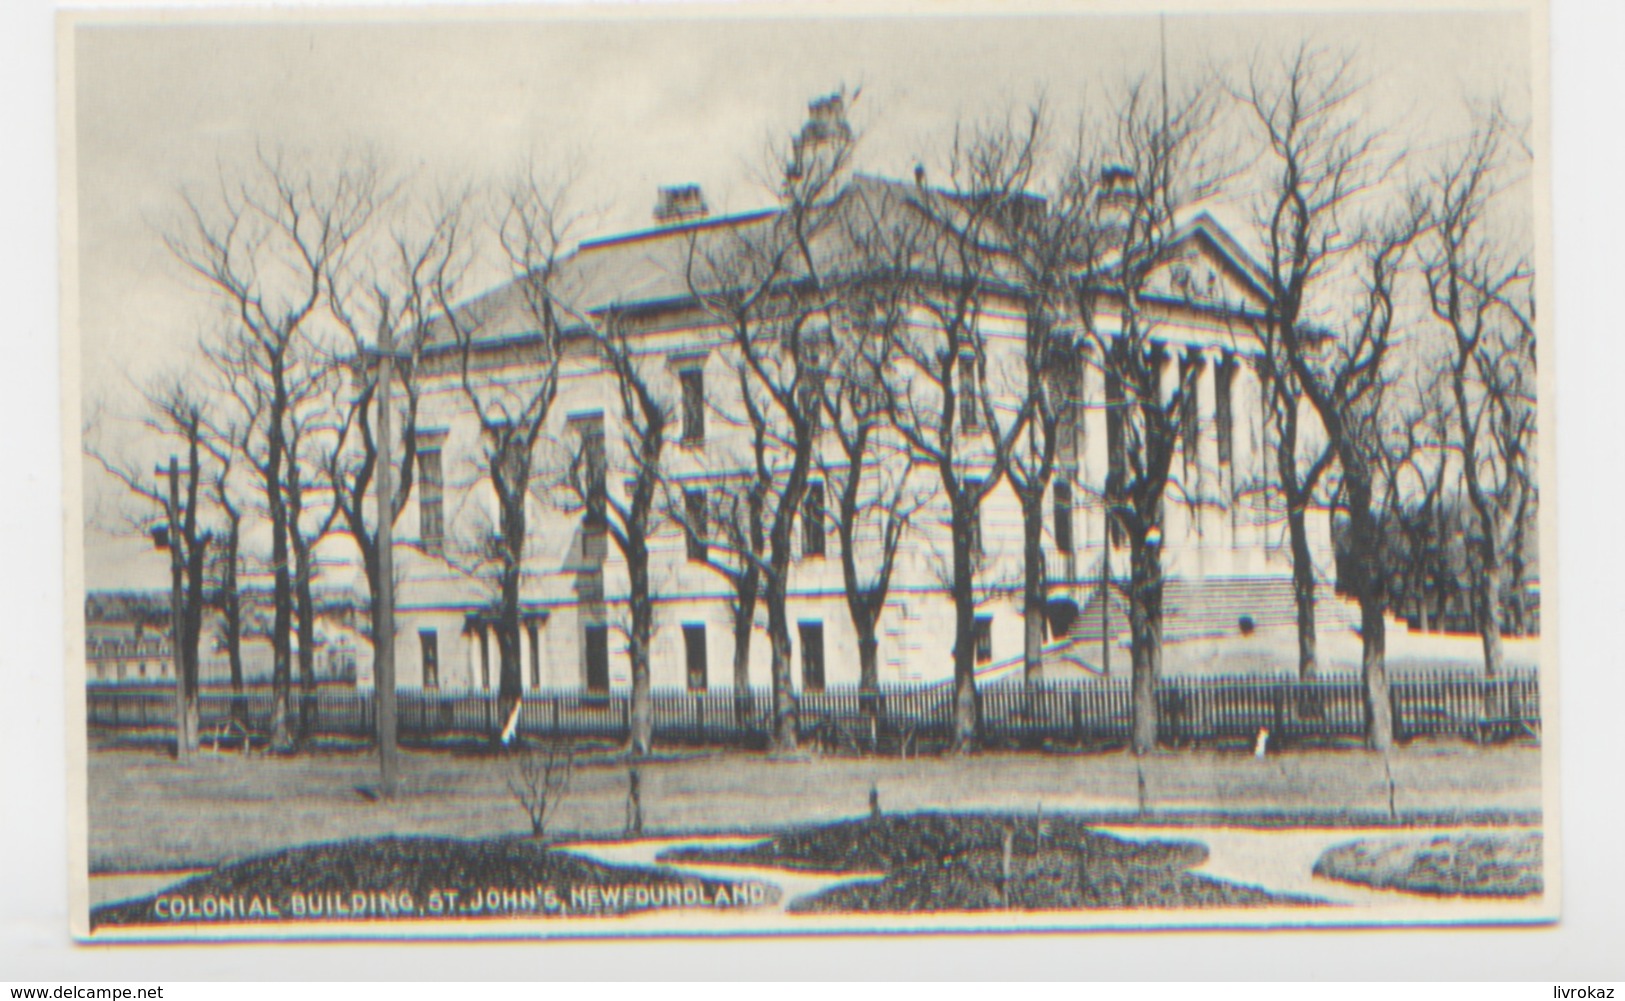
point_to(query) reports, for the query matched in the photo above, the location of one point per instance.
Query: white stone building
(1225, 555)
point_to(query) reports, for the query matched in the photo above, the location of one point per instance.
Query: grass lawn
(148, 813)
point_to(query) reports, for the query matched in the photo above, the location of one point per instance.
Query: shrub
(538, 776)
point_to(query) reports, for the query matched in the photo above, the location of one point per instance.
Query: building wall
(1218, 522)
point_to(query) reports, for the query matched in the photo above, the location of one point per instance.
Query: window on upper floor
(592, 465)
(1063, 516)
(984, 639)
(812, 520)
(431, 501)
(692, 380)
(973, 488)
(696, 515)
(970, 410)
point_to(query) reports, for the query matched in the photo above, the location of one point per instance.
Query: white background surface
(1590, 414)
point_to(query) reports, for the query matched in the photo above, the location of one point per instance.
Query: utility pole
(1106, 602)
(183, 734)
(383, 643)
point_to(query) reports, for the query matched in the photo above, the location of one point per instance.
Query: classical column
(1215, 545)
(485, 653)
(532, 626)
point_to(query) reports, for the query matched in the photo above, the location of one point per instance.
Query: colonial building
(1224, 553)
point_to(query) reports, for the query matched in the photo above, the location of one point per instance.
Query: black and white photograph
(585, 472)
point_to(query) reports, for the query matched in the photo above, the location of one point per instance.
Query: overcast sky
(633, 102)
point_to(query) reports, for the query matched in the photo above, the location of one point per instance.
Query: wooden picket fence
(896, 720)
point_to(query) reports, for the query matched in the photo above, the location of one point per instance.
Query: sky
(627, 102)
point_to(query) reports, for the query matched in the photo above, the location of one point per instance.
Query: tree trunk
(282, 588)
(1379, 709)
(1033, 590)
(231, 613)
(641, 739)
(281, 654)
(868, 669)
(967, 710)
(1366, 563)
(744, 624)
(783, 738)
(510, 655)
(307, 641)
(1145, 626)
(510, 671)
(1303, 595)
(192, 635)
(1489, 618)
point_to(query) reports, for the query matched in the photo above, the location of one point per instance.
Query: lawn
(148, 813)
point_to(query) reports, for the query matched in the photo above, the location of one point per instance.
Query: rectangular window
(429, 640)
(694, 651)
(1224, 416)
(597, 660)
(970, 413)
(693, 384)
(695, 511)
(984, 639)
(973, 491)
(431, 501)
(1063, 373)
(812, 520)
(593, 465)
(1063, 516)
(812, 656)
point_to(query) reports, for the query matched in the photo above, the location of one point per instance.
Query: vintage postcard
(707, 471)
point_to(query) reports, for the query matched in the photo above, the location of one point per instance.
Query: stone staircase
(1211, 606)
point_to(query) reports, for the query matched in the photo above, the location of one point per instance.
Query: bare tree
(226, 572)
(1161, 166)
(941, 387)
(263, 247)
(513, 399)
(725, 520)
(1480, 283)
(871, 477)
(1344, 373)
(1042, 236)
(771, 287)
(175, 413)
(1321, 156)
(1325, 157)
(393, 296)
(538, 777)
(1419, 516)
(312, 436)
(629, 516)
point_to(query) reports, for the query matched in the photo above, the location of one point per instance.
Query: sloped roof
(648, 269)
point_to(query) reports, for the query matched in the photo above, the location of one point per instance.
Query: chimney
(682, 203)
(1116, 194)
(826, 126)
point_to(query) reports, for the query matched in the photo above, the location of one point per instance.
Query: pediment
(1205, 273)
